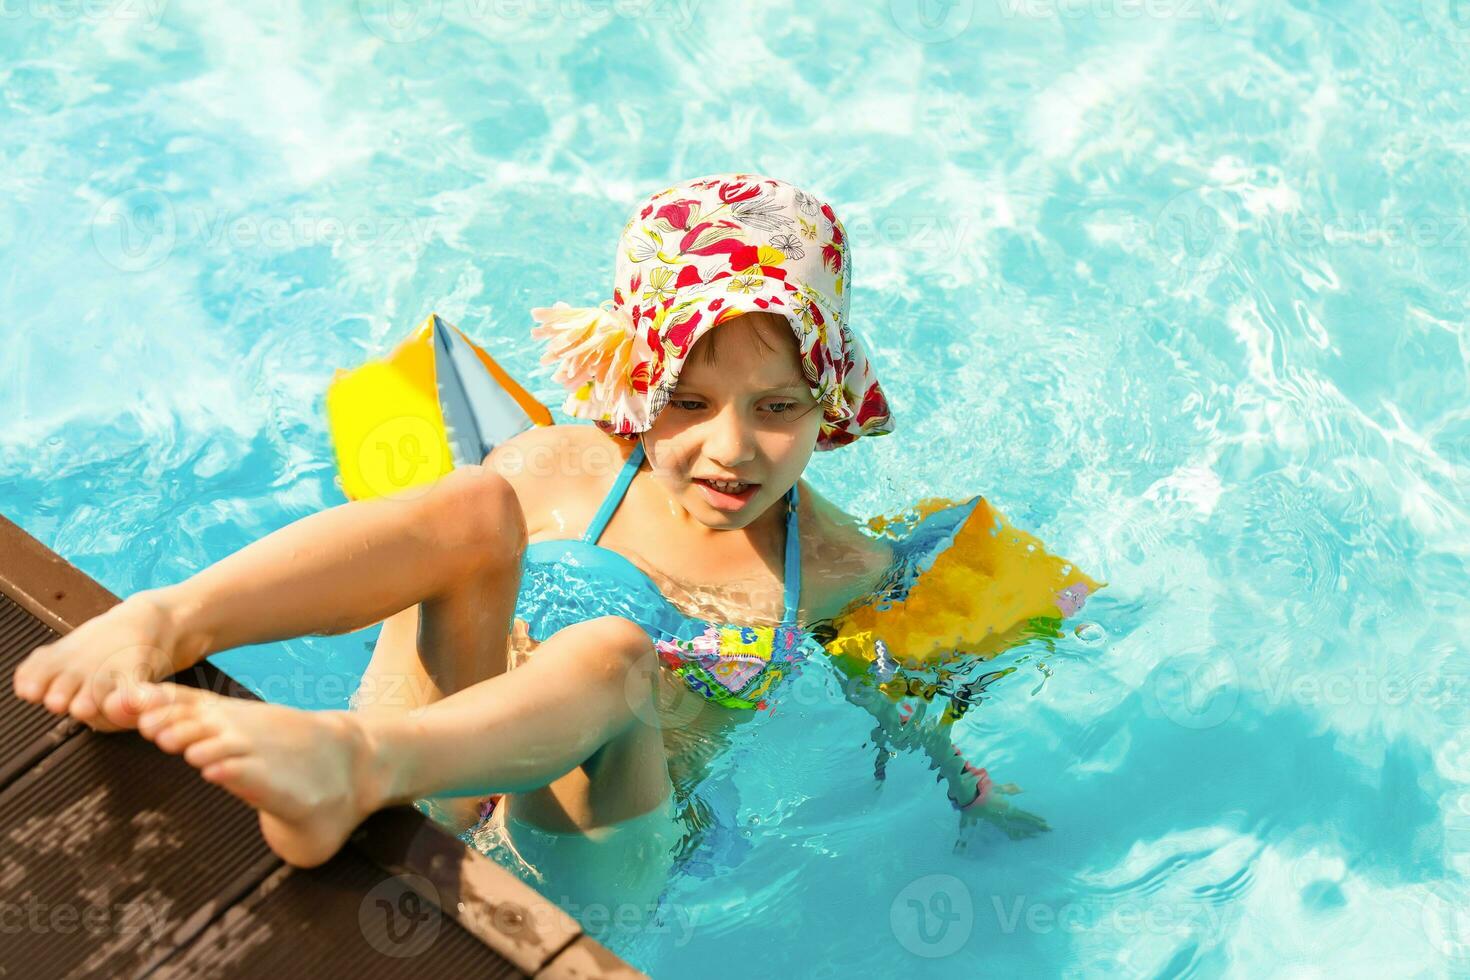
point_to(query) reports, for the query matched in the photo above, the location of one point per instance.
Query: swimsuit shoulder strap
(792, 574)
(615, 495)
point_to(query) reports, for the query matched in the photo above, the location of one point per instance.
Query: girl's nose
(728, 439)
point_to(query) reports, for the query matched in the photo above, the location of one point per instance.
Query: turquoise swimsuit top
(570, 580)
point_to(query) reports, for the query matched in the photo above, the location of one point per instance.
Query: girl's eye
(786, 409)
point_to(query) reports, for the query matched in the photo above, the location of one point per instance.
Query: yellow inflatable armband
(984, 592)
(436, 402)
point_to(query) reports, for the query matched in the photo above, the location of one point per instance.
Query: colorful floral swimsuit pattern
(571, 580)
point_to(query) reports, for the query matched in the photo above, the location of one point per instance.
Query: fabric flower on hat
(597, 351)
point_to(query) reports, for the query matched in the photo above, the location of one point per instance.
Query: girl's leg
(456, 639)
(585, 700)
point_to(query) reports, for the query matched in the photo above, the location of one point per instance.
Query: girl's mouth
(727, 496)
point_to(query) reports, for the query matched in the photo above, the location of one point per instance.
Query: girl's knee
(622, 643)
(475, 513)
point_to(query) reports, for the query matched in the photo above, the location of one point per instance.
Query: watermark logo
(1451, 18)
(1446, 922)
(400, 457)
(1196, 691)
(401, 21)
(933, 916)
(129, 918)
(409, 21)
(146, 13)
(136, 230)
(672, 704)
(1209, 12)
(1198, 229)
(932, 21)
(1156, 916)
(395, 917)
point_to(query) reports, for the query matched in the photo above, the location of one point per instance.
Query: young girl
(652, 579)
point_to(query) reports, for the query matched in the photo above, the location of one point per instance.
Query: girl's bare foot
(91, 672)
(313, 775)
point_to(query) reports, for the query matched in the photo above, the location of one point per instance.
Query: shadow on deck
(118, 860)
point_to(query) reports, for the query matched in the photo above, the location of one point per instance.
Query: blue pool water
(1181, 286)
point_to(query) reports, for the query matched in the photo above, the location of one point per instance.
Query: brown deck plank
(136, 866)
(108, 827)
(346, 918)
(25, 733)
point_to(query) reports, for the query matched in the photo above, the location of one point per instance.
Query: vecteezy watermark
(409, 21)
(1445, 917)
(1203, 690)
(933, 916)
(1196, 691)
(1198, 228)
(146, 13)
(1125, 918)
(399, 916)
(674, 920)
(1209, 12)
(401, 458)
(401, 21)
(938, 234)
(68, 918)
(1451, 18)
(932, 21)
(557, 459)
(1358, 685)
(1373, 230)
(136, 230)
(659, 700)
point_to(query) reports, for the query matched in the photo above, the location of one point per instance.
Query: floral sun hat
(691, 256)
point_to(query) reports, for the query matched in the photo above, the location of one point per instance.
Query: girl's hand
(984, 802)
(91, 672)
(1015, 823)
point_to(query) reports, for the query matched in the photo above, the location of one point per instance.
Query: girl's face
(746, 415)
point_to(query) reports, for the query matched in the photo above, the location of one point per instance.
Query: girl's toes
(155, 721)
(208, 751)
(183, 735)
(35, 673)
(154, 695)
(63, 688)
(83, 708)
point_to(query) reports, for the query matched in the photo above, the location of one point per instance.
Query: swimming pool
(1180, 286)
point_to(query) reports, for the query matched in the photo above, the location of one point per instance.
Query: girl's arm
(902, 725)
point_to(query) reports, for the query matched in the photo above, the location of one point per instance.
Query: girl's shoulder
(557, 469)
(847, 565)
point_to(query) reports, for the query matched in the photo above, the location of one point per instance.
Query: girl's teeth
(727, 487)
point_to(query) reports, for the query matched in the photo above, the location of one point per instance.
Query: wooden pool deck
(117, 860)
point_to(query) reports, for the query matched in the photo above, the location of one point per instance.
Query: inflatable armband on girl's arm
(973, 585)
(436, 402)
